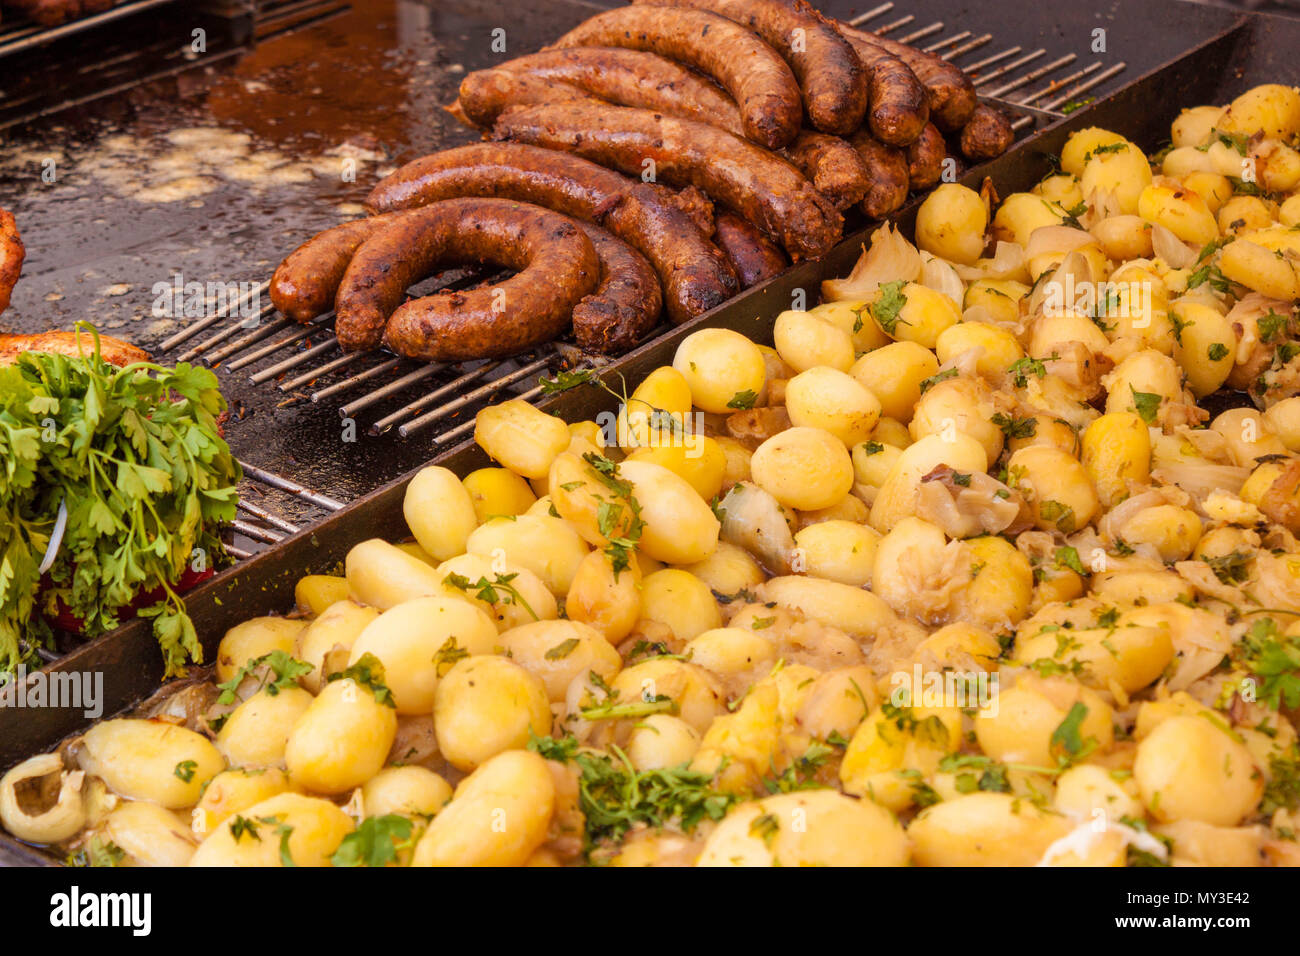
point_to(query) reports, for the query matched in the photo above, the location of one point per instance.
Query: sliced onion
(889, 258)
(939, 275)
(1054, 240)
(1170, 248)
(1008, 262)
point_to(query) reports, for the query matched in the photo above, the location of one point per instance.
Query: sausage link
(695, 275)
(634, 78)
(626, 304)
(834, 167)
(889, 175)
(761, 186)
(304, 284)
(897, 105)
(832, 80)
(949, 91)
(925, 158)
(755, 257)
(485, 94)
(751, 71)
(987, 135)
(555, 261)
(12, 254)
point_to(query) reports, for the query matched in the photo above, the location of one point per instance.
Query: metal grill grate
(23, 34)
(305, 363)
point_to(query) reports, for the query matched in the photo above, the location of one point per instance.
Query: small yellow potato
(886, 746)
(150, 835)
(951, 223)
(680, 602)
(485, 705)
(498, 816)
(1242, 215)
(1289, 212)
(583, 498)
(724, 369)
(1144, 373)
(695, 693)
(961, 404)
(257, 731)
(805, 341)
(1052, 331)
(846, 509)
(1002, 586)
(557, 652)
(252, 639)
(1130, 658)
(856, 612)
(1260, 268)
(549, 547)
(150, 760)
(521, 437)
(728, 570)
(498, 491)
(737, 464)
(838, 701)
(680, 527)
(408, 791)
(654, 410)
(383, 576)
(843, 551)
(731, 651)
(1123, 237)
(1248, 436)
(1020, 728)
(1283, 419)
(439, 512)
(660, 741)
(608, 600)
(1270, 108)
(804, 468)
(520, 596)
(1202, 844)
(892, 432)
(1195, 125)
(407, 640)
(894, 375)
(326, 642)
(700, 460)
(1129, 588)
(42, 820)
(807, 828)
(915, 313)
(1171, 530)
(960, 647)
(1116, 450)
(288, 829)
(1061, 189)
(897, 496)
(984, 829)
(854, 318)
(833, 401)
(1020, 214)
(1122, 171)
(1057, 486)
(1214, 188)
(343, 737)
(1195, 768)
(1087, 791)
(234, 791)
(1180, 210)
(1082, 144)
(1000, 298)
(1205, 347)
(315, 592)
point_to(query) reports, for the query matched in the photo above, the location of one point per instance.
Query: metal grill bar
(341, 362)
(272, 519)
(1097, 80)
(255, 532)
(871, 14)
(965, 48)
(228, 332)
(273, 347)
(392, 388)
(306, 355)
(1032, 75)
(427, 419)
(388, 421)
(291, 486)
(955, 38)
(187, 333)
(353, 381)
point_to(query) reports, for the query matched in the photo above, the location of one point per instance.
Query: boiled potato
(833, 401)
(805, 468)
(383, 576)
(520, 437)
(234, 791)
(326, 642)
(409, 791)
(557, 652)
(951, 223)
(344, 736)
(289, 829)
(723, 369)
(257, 731)
(498, 491)
(1196, 768)
(439, 511)
(253, 639)
(805, 341)
(150, 835)
(485, 705)
(150, 760)
(984, 829)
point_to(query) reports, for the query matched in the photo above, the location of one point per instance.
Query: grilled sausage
(751, 71)
(626, 304)
(485, 94)
(834, 167)
(887, 190)
(897, 105)
(694, 273)
(988, 134)
(925, 158)
(634, 78)
(761, 186)
(831, 78)
(755, 257)
(697, 206)
(111, 350)
(949, 91)
(555, 261)
(304, 284)
(12, 254)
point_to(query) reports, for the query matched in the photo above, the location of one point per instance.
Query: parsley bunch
(135, 456)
